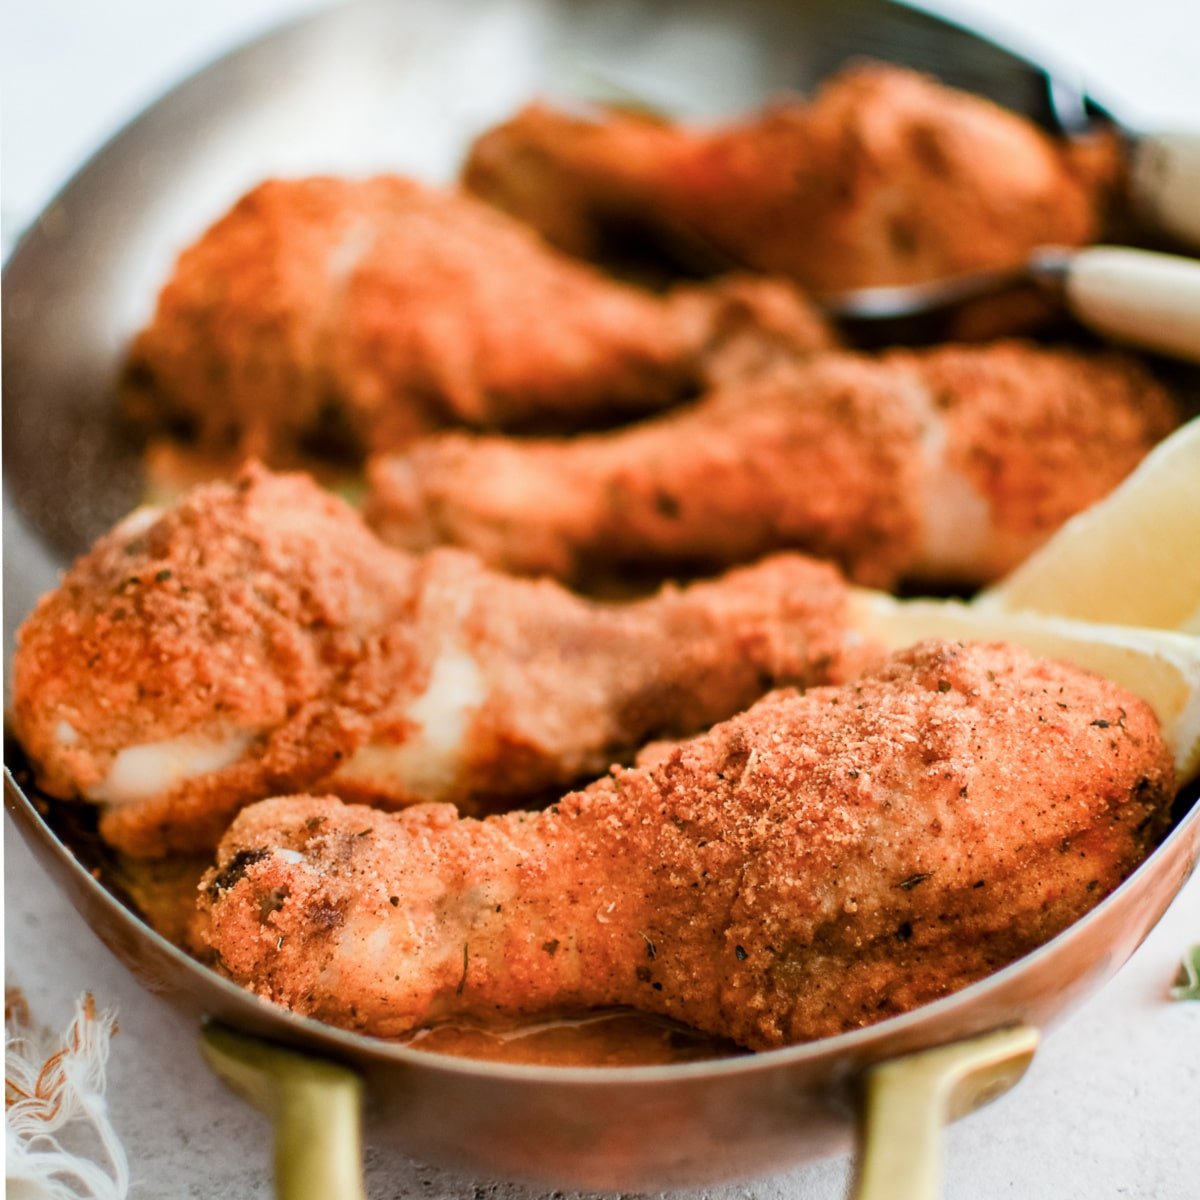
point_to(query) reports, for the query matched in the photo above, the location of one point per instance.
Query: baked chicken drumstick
(257, 639)
(951, 465)
(817, 863)
(886, 177)
(331, 313)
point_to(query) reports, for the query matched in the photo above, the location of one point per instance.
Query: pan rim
(358, 1046)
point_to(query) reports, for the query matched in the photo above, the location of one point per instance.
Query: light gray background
(1111, 1106)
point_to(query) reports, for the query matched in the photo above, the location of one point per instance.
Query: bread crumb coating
(815, 864)
(885, 177)
(258, 638)
(950, 465)
(338, 316)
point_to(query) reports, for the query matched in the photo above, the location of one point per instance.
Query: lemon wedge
(1160, 666)
(1133, 558)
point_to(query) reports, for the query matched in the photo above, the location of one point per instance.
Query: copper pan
(377, 86)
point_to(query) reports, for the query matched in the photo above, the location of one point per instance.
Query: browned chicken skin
(257, 638)
(950, 464)
(886, 177)
(817, 863)
(330, 313)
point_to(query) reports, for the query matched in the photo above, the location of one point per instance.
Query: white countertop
(1111, 1105)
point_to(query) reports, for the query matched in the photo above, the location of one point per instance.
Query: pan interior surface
(382, 86)
(360, 88)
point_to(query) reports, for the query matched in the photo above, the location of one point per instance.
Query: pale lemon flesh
(1133, 558)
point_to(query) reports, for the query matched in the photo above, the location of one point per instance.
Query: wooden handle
(1148, 300)
(908, 1100)
(1165, 183)
(315, 1106)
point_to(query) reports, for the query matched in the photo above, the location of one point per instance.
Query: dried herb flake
(462, 983)
(1189, 972)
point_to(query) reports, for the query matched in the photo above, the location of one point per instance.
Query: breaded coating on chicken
(950, 465)
(345, 314)
(815, 864)
(885, 177)
(257, 638)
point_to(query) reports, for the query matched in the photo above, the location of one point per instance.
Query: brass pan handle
(314, 1104)
(316, 1108)
(909, 1099)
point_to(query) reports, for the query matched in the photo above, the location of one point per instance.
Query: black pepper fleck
(236, 869)
(666, 504)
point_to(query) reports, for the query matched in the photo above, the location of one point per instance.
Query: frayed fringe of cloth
(56, 1119)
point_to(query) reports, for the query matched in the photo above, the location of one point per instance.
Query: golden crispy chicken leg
(331, 313)
(257, 638)
(950, 464)
(817, 863)
(886, 177)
